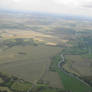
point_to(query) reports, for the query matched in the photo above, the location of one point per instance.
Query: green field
(70, 83)
(73, 84)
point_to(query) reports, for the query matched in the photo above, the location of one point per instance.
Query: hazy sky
(76, 7)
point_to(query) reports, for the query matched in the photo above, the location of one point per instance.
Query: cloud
(75, 7)
(87, 5)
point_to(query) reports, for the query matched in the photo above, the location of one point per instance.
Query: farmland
(78, 65)
(76, 84)
(30, 50)
(29, 66)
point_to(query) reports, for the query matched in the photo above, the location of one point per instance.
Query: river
(60, 66)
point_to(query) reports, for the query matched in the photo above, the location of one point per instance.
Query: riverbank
(70, 82)
(60, 65)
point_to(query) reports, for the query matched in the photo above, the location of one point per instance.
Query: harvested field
(29, 62)
(54, 79)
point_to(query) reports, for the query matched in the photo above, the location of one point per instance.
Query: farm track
(60, 66)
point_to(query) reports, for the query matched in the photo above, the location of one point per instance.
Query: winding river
(60, 66)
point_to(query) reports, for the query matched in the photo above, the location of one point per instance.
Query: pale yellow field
(48, 39)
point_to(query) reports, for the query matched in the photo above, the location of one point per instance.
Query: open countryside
(45, 53)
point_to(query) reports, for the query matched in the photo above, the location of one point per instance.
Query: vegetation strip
(70, 83)
(60, 64)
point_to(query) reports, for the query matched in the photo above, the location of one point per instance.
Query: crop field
(71, 83)
(29, 62)
(78, 65)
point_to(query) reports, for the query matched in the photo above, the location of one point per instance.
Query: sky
(71, 7)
